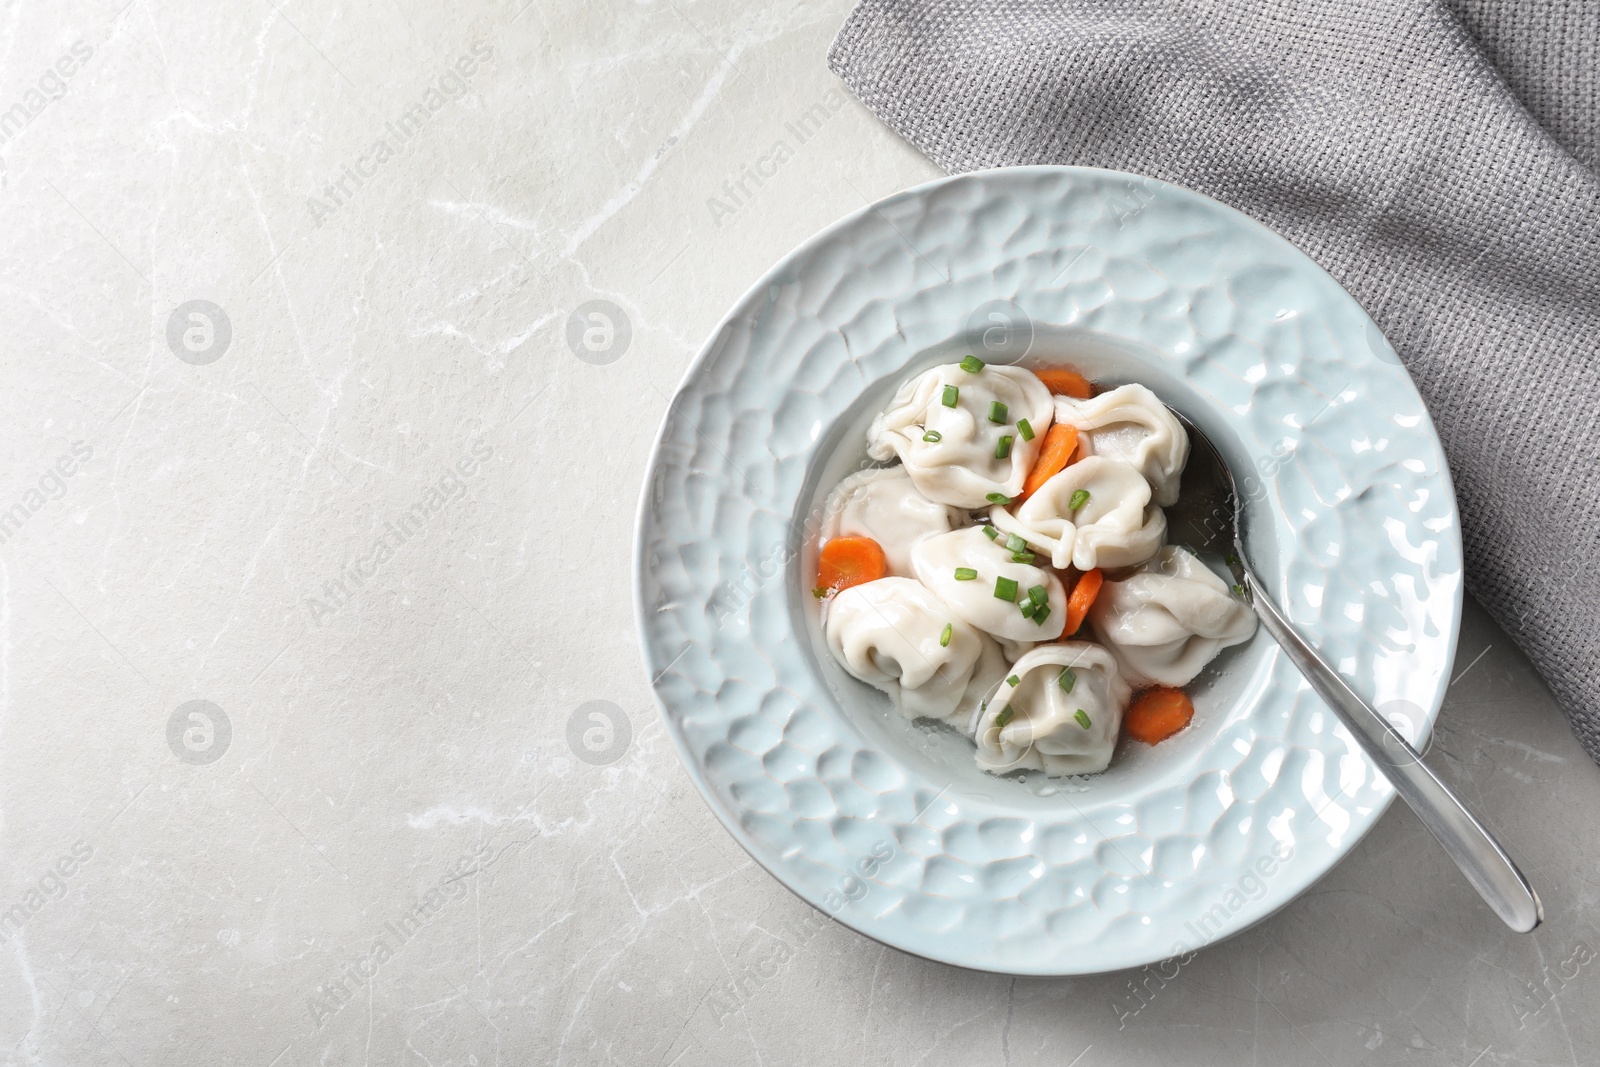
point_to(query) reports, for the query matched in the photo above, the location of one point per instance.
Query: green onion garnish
(1230, 559)
(951, 395)
(1013, 681)
(1004, 717)
(1005, 588)
(1022, 557)
(1028, 608)
(1042, 614)
(933, 437)
(990, 532)
(1068, 679)
(998, 498)
(820, 591)
(1080, 497)
(1015, 543)
(1083, 719)
(972, 364)
(1037, 594)
(965, 574)
(997, 411)
(1238, 590)
(1024, 429)
(944, 638)
(1002, 449)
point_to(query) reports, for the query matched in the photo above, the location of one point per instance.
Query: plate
(886, 825)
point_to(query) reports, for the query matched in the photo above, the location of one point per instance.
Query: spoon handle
(1473, 847)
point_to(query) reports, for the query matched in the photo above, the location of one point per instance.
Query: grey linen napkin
(1436, 158)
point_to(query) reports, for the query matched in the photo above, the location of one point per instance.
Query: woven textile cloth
(1437, 158)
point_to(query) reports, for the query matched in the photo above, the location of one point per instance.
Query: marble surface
(325, 738)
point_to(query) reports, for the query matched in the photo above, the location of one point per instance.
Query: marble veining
(463, 762)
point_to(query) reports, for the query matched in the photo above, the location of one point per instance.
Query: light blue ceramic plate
(888, 826)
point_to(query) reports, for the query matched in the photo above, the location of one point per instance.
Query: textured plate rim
(1287, 889)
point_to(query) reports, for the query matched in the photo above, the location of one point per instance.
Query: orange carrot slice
(1156, 714)
(848, 561)
(1064, 382)
(1059, 445)
(1082, 599)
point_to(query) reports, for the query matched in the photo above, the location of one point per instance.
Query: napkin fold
(1437, 158)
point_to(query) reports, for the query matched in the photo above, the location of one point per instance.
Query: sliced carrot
(1156, 714)
(1064, 382)
(848, 561)
(1082, 599)
(1060, 442)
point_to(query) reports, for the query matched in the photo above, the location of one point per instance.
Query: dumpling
(1059, 712)
(883, 503)
(988, 588)
(1114, 525)
(891, 634)
(1015, 650)
(1131, 423)
(1169, 619)
(958, 431)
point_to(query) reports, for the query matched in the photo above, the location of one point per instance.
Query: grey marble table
(314, 562)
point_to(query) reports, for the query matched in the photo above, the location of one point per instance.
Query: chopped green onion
(1025, 429)
(1028, 608)
(1083, 719)
(1005, 589)
(972, 364)
(1005, 716)
(1079, 498)
(997, 411)
(820, 591)
(1038, 594)
(1238, 590)
(944, 638)
(951, 395)
(1015, 543)
(965, 574)
(933, 437)
(1231, 560)
(1002, 449)
(1067, 679)
(998, 498)
(1013, 681)
(1042, 614)
(990, 532)
(1023, 557)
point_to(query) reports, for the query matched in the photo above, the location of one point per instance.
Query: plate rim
(1296, 886)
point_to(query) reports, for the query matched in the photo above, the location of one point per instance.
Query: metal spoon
(1209, 507)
